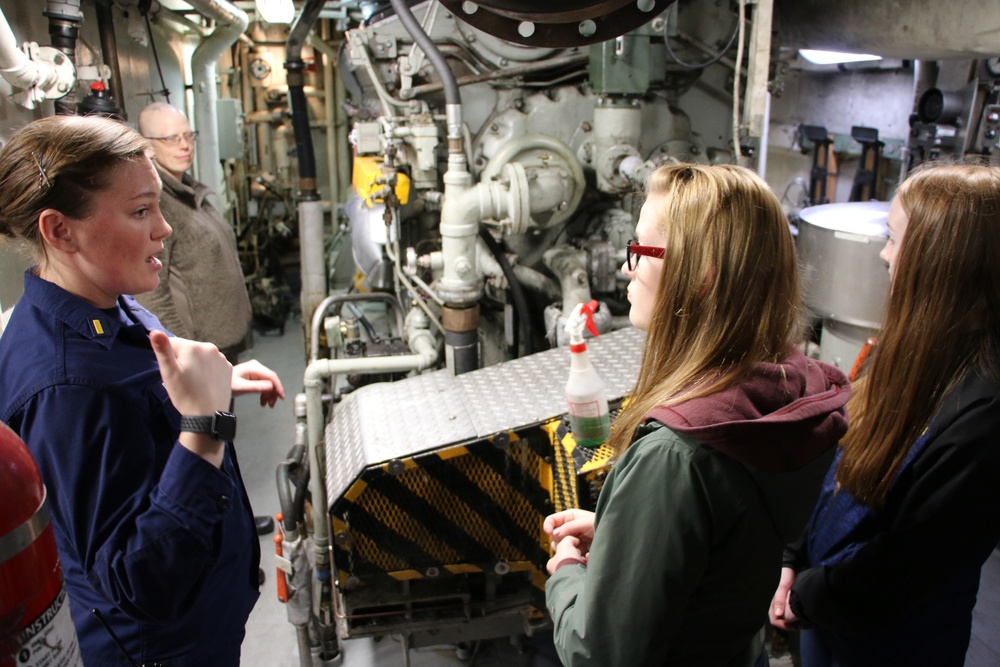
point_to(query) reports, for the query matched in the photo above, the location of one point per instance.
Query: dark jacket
(897, 587)
(202, 295)
(692, 521)
(159, 541)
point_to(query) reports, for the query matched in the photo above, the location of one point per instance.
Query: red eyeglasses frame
(633, 248)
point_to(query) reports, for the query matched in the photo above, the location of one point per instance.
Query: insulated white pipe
(20, 71)
(230, 24)
(311, 251)
(425, 355)
(329, 101)
(16, 68)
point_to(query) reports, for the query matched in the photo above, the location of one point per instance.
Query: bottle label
(50, 640)
(584, 408)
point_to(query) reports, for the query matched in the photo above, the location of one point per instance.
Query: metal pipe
(324, 306)
(537, 281)
(310, 214)
(458, 232)
(505, 73)
(310, 208)
(109, 52)
(329, 58)
(341, 127)
(230, 24)
(422, 341)
(50, 76)
(65, 18)
(296, 96)
(179, 22)
(451, 94)
(570, 267)
(17, 69)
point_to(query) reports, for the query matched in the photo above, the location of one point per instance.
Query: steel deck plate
(395, 420)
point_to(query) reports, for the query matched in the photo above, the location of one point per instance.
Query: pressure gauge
(993, 66)
(259, 69)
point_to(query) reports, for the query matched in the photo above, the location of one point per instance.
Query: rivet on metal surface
(501, 568)
(501, 440)
(396, 467)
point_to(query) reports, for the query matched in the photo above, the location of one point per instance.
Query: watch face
(224, 426)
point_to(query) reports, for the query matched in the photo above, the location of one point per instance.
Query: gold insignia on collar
(97, 327)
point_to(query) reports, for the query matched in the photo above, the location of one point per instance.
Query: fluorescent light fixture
(832, 57)
(276, 11)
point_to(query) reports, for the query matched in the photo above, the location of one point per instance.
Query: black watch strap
(221, 425)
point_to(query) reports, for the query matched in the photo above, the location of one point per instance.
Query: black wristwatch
(221, 425)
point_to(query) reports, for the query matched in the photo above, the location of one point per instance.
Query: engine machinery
(481, 178)
(494, 177)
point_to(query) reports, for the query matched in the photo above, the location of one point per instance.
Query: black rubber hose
(451, 95)
(516, 291)
(63, 33)
(296, 92)
(292, 506)
(109, 51)
(300, 124)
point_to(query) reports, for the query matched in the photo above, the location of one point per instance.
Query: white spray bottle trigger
(582, 316)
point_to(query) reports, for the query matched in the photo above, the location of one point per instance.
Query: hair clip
(43, 178)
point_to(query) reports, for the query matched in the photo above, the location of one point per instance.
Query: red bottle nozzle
(588, 310)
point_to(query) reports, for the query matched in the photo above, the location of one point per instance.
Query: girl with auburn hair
(129, 426)
(888, 569)
(721, 448)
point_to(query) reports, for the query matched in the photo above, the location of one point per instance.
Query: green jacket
(685, 558)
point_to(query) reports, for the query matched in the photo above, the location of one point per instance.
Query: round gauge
(993, 65)
(259, 68)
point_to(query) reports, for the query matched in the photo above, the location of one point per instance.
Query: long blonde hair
(728, 294)
(943, 319)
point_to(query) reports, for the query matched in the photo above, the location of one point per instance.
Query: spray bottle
(585, 394)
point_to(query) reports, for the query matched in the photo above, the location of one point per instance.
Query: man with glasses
(202, 295)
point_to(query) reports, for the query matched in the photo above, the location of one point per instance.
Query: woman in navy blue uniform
(888, 570)
(128, 425)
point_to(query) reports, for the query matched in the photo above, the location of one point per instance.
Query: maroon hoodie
(780, 418)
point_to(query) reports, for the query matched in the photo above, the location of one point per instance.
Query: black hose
(296, 94)
(109, 51)
(451, 95)
(156, 58)
(365, 322)
(292, 506)
(300, 124)
(516, 291)
(63, 33)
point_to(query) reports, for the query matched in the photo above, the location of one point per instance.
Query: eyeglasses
(176, 139)
(633, 249)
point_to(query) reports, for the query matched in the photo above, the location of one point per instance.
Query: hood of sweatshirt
(778, 419)
(782, 423)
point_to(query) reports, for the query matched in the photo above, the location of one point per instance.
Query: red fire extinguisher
(35, 624)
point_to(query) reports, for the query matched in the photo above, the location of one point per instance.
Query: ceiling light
(833, 57)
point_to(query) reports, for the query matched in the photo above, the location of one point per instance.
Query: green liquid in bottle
(590, 432)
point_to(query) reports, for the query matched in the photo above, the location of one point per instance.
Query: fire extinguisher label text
(50, 640)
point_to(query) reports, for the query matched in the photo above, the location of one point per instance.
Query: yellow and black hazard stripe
(475, 504)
